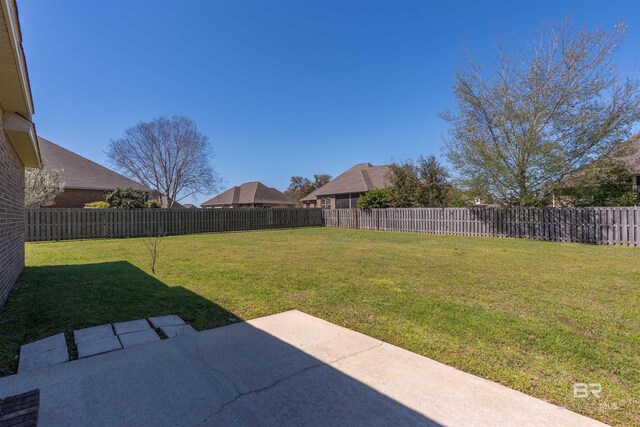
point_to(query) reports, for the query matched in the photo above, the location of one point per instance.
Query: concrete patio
(289, 368)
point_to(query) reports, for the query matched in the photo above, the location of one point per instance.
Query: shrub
(126, 198)
(152, 204)
(101, 204)
(373, 199)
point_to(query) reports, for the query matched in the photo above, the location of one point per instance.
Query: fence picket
(78, 223)
(613, 226)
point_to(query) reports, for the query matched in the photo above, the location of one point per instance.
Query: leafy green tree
(126, 198)
(404, 185)
(300, 187)
(373, 199)
(421, 184)
(538, 113)
(320, 179)
(460, 199)
(434, 189)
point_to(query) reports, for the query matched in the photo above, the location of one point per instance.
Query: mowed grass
(535, 316)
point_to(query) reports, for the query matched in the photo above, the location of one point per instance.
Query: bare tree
(152, 243)
(169, 155)
(41, 186)
(540, 112)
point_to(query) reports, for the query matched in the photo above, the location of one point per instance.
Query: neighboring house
(189, 206)
(18, 146)
(629, 153)
(343, 191)
(84, 180)
(250, 195)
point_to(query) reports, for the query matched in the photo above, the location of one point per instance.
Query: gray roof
(357, 179)
(250, 193)
(629, 153)
(81, 173)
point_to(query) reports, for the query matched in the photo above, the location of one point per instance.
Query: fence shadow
(216, 373)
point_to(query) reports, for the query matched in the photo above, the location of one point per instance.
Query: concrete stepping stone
(177, 330)
(46, 352)
(133, 339)
(131, 326)
(171, 320)
(92, 334)
(98, 346)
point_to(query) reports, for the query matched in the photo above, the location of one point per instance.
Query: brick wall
(71, 198)
(11, 216)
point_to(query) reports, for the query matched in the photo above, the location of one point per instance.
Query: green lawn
(535, 316)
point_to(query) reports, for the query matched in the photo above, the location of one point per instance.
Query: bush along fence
(608, 226)
(78, 223)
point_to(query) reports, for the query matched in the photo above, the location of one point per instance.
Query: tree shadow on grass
(240, 374)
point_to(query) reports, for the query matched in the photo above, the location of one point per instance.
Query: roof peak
(253, 192)
(362, 165)
(358, 178)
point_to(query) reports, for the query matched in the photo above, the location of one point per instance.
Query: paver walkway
(289, 368)
(99, 339)
(96, 340)
(47, 352)
(135, 332)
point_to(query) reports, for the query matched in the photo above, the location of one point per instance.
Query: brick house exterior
(18, 146)
(11, 215)
(77, 198)
(84, 180)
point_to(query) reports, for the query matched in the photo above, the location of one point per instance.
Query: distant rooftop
(250, 193)
(357, 179)
(629, 153)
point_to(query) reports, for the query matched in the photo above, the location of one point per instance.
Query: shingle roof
(81, 173)
(250, 193)
(357, 179)
(629, 153)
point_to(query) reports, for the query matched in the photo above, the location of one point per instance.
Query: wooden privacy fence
(608, 226)
(79, 223)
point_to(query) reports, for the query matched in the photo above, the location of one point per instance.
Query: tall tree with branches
(169, 155)
(540, 111)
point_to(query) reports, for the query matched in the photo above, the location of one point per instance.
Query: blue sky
(281, 88)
